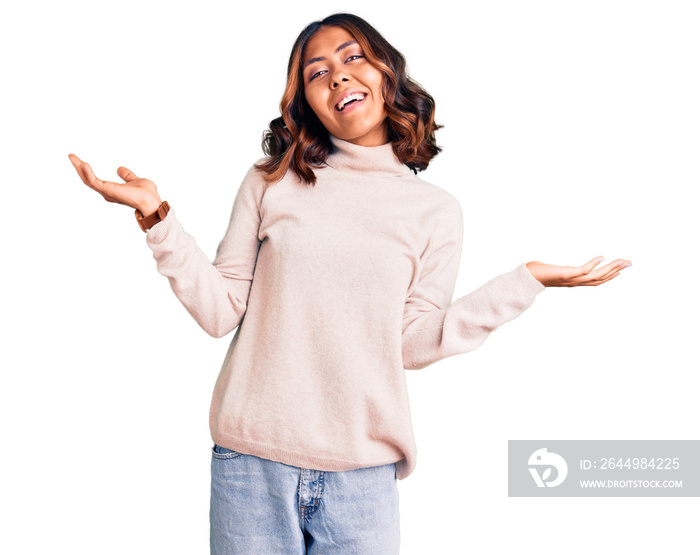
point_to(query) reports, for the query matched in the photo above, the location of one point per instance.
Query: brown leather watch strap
(148, 222)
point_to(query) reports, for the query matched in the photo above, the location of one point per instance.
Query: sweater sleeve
(215, 294)
(434, 327)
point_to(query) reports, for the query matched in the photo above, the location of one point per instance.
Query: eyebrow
(341, 47)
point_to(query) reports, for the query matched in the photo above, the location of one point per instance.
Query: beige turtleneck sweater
(333, 291)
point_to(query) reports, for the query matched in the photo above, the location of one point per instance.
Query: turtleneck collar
(369, 160)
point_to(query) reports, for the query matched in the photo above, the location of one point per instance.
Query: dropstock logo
(544, 461)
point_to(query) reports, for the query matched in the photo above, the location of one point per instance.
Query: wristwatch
(148, 222)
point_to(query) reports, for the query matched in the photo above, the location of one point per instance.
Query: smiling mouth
(349, 100)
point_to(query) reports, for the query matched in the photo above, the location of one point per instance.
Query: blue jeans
(261, 507)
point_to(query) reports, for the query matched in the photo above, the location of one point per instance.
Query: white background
(571, 131)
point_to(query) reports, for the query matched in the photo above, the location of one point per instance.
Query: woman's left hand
(573, 276)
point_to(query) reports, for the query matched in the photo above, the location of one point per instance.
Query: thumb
(126, 174)
(588, 267)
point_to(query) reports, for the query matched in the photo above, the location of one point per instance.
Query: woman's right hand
(137, 192)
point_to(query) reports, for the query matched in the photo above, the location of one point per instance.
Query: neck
(374, 160)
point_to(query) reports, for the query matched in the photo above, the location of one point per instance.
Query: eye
(314, 75)
(354, 56)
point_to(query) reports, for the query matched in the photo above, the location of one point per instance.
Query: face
(343, 89)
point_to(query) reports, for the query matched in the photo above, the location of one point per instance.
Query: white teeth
(344, 101)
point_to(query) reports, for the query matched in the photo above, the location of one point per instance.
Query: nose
(336, 82)
(337, 78)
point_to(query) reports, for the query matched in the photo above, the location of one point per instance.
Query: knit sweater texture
(333, 290)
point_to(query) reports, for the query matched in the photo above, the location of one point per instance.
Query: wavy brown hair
(297, 140)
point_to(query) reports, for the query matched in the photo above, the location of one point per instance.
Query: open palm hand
(573, 276)
(136, 192)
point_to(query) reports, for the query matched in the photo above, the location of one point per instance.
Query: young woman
(337, 272)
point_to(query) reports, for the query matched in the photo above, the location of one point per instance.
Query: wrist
(150, 207)
(147, 222)
(533, 268)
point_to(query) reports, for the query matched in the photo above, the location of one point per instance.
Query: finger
(610, 275)
(588, 282)
(90, 177)
(607, 278)
(592, 278)
(78, 165)
(619, 265)
(571, 273)
(588, 266)
(105, 188)
(579, 273)
(603, 272)
(126, 174)
(84, 176)
(608, 269)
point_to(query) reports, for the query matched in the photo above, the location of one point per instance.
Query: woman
(337, 272)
